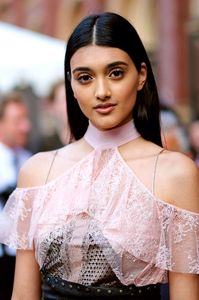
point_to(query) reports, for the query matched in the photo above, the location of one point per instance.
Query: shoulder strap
(52, 162)
(154, 171)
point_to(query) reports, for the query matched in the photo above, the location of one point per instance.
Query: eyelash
(119, 73)
(85, 78)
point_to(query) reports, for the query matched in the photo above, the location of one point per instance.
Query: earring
(68, 75)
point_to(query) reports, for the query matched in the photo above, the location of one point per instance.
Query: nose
(102, 89)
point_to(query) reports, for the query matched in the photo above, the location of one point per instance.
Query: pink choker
(111, 138)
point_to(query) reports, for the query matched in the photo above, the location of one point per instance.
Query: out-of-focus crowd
(178, 136)
(29, 124)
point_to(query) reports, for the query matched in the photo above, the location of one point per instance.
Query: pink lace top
(98, 223)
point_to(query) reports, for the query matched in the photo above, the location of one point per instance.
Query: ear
(142, 76)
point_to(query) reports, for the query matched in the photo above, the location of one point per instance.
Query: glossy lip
(104, 108)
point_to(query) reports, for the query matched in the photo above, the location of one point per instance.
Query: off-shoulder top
(98, 222)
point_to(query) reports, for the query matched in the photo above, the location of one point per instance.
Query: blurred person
(55, 126)
(174, 135)
(194, 139)
(14, 131)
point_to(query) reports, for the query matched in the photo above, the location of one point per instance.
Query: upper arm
(178, 182)
(27, 277)
(186, 181)
(183, 286)
(183, 189)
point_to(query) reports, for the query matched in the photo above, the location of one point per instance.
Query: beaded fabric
(98, 224)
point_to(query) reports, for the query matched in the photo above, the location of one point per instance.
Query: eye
(116, 73)
(84, 78)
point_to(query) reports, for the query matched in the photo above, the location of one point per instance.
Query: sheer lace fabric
(98, 223)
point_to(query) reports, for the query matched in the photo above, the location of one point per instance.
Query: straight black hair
(112, 30)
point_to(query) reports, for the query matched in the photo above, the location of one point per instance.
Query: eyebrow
(109, 66)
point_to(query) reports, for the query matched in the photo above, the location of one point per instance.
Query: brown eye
(117, 73)
(84, 78)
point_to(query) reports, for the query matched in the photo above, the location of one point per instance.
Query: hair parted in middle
(112, 30)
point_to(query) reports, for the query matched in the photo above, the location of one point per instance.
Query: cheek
(128, 89)
(82, 96)
(128, 95)
(78, 91)
(83, 101)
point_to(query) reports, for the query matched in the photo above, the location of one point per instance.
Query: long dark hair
(112, 30)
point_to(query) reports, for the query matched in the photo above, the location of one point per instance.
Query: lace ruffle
(141, 237)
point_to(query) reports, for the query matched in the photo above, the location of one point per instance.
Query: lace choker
(105, 139)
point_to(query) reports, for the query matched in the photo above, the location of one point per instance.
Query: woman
(113, 214)
(56, 131)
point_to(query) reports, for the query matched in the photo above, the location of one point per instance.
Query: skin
(114, 81)
(94, 82)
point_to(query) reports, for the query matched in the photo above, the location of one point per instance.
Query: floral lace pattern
(98, 214)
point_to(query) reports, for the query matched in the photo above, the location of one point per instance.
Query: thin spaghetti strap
(154, 172)
(52, 162)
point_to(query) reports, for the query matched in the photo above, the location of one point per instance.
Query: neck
(111, 138)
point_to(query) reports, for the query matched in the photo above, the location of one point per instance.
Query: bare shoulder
(35, 169)
(180, 177)
(46, 166)
(181, 161)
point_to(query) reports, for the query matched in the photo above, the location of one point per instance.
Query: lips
(104, 108)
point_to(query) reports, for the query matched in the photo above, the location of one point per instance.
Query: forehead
(94, 55)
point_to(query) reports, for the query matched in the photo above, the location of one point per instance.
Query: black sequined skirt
(54, 288)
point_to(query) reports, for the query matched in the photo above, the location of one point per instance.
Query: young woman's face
(105, 82)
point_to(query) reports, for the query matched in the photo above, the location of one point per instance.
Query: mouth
(105, 108)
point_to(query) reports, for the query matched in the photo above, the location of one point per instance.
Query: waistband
(54, 288)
